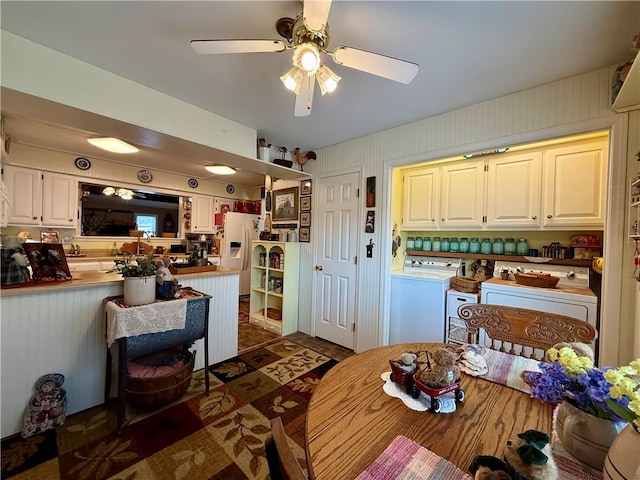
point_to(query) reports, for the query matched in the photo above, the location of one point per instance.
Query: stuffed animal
(408, 362)
(14, 261)
(444, 372)
(527, 458)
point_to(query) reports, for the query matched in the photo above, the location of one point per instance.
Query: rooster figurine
(303, 159)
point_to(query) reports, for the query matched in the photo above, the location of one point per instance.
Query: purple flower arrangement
(575, 379)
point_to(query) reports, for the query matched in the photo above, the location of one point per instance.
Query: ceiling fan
(308, 37)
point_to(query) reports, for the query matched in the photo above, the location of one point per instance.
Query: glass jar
(485, 248)
(435, 245)
(444, 245)
(510, 246)
(426, 244)
(418, 243)
(454, 245)
(498, 247)
(411, 243)
(522, 248)
(464, 245)
(474, 245)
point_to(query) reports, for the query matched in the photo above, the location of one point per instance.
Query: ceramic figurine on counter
(14, 261)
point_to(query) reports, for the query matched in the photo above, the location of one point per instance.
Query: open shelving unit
(274, 286)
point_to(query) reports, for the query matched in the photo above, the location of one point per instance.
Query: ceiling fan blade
(304, 99)
(237, 46)
(315, 13)
(377, 64)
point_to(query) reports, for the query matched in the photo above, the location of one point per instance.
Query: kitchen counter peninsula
(60, 328)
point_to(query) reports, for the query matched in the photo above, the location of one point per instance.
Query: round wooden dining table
(351, 420)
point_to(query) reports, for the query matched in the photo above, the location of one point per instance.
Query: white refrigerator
(239, 230)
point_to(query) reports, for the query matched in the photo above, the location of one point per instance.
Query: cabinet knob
(318, 267)
(433, 219)
(71, 219)
(34, 218)
(442, 219)
(549, 216)
(534, 217)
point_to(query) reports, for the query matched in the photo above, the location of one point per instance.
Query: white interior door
(335, 282)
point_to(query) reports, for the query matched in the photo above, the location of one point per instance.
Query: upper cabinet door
(513, 190)
(462, 194)
(202, 213)
(24, 186)
(420, 200)
(60, 200)
(574, 186)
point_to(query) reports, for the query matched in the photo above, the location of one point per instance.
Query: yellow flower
(573, 364)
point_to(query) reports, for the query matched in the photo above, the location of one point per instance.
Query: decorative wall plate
(82, 163)
(145, 176)
(193, 183)
(230, 189)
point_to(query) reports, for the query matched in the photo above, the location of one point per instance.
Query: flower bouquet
(625, 392)
(574, 378)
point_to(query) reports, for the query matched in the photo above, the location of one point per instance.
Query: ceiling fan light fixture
(220, 169)
(113, 145)
(293, 79)
(125, 193)
(109, 191)
(327, 79)
(307, 58)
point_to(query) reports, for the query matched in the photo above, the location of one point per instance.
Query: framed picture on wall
(285, 204)
(371, 191)
(305, 187)
(305, 219)
(305, 234)
(305, 204)
(369, 226)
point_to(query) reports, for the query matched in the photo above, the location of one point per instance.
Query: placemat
(404, 459)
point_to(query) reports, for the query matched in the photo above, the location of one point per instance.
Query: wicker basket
(543, 280)
(464, 284)
(149, 393)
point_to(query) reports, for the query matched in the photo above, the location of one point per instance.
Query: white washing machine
(418, 297)
(571, 297)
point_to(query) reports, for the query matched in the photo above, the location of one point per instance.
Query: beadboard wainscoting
(63, 331)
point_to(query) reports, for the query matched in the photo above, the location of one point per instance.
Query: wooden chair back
(282, 462)
(530, 333)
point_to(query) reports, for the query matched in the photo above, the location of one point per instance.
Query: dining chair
(282, 462)
(530, 333)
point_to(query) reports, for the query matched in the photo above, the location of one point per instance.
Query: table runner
(152, 318)
(404, 459)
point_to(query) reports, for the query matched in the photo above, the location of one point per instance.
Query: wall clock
(193, 183)
(82, 163)
(230, 189)
(145, 176)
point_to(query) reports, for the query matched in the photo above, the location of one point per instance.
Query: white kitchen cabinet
(421, 194)
(574, 185)
(202, 214)
(274, 286)
(462, 194)
(513, 190)
(41, 198)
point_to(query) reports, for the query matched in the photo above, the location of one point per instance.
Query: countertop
(90, 279)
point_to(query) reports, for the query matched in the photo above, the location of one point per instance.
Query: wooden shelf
(511, 258)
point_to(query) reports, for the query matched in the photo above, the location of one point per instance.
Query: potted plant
(139, 279)
(92, 223)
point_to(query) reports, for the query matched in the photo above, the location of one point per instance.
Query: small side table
(196, 327)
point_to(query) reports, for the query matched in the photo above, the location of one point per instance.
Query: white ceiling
(468, 52)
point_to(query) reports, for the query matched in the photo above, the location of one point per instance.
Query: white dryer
(571, 297)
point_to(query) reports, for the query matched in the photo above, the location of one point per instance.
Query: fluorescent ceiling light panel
(113, 145)
(220, 169)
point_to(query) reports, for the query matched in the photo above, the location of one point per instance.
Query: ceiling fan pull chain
(309, 93)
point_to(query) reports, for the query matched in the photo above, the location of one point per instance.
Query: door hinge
(486, 167)
(355, 260)
(353, 327)
(484, 219)
(357, 193)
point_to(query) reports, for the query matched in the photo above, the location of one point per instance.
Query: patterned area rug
(220, 436)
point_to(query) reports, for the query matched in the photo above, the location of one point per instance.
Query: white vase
(623, 459)
(586, 436)
(139, 290)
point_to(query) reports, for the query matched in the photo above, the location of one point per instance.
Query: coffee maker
(199, 246)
